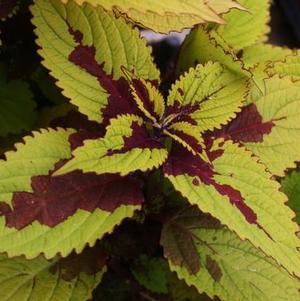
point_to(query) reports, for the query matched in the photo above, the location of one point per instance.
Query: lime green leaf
(280, 149)
(291, 187)
(24, 280)
(126, 147)
(203, 45)
(169, 15)
(86, 45)
(233, 269)
(147, 97)
(84, 227)
(289, 66)
(238, 191)
(17, 106)
(242, 29)
(217, 93)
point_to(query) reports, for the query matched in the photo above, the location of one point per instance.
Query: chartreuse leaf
(291, 187)
(244, 29)
(169, 15)
(208, 95)
(86, 45)
(17, 106)
(37, 279)
(203, 45)
(280, 148)
(45, 214)
(147, 97)
(230, 268)
(237, 190)
(288, 66)
(126, 147)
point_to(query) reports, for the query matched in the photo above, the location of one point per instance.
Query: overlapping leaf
(230, 268)
(291, 187)
(126, 147)
(50, 215)
(205, 45)
(207, 97)
(17, 106)
(288, 66)
(244, 29)
(39, 279)
(169, 15)
(87, 45)
(237, 190)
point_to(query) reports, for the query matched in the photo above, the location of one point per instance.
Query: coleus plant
(201, 159)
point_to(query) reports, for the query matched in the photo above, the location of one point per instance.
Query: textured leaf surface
(207, 96)
(243, 29)
(126, 147)
(87, 45)
(83, 227)
(280, 149)
(291, 187)
(238, 191)
(169, 15)
(203, 45)
(233, 269)
(17, 106)
(289, 66)
(25, 280)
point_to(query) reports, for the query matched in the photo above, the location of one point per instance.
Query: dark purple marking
(143, 94)
(190, 140)
(139, 139)
(182, 162)
(120, 100)
(182, 112)
(54, 199)
(248, 126)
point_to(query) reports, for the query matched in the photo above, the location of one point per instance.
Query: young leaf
(17, 106)
(46, 214)
(86, 45)
(291, 187)
(232, 269)
(207, 97)
(236, 189)
(38, 279)
(126, 147)
(242, 29)
(169, 15)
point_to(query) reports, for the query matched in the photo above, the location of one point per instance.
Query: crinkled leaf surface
(279, 149)
(17, 106)
(207, 96)
(126, 147)
(89, 46)
(242, 29)
(291, 187)
(41, 216)
(32, 280)
(233, 269)
(237, 190)
(288, 66)
(169, 15)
